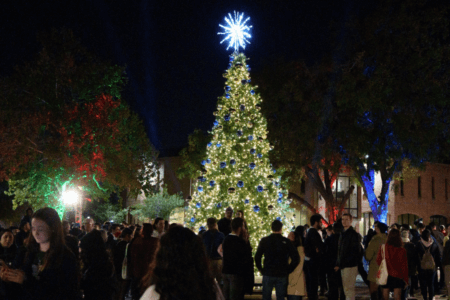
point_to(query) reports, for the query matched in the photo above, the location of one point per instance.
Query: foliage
(159, 204)
(393, 92)
(237, 171)
(106, 211)
(299, 130)
(64, 124)
(193, 155)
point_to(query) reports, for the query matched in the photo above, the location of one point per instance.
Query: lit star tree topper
(236, 32)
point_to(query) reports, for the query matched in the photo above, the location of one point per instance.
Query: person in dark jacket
(349, 256)
(119, 255)
(427, 276)
(50, 270)
(224, 224)
(446, 265)
(98, 281)
(314, 248)
(142, 253)
(412, 261)
(330, 257)
(439, 238)
(8, 251)
(276, 250)
(24, 232)
(236, 256)
(212, 239)
(71, 241)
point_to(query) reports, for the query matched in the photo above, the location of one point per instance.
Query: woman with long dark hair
(180, 270)
(296, 286)
(396, 262)
(97, 281)
(50, 270)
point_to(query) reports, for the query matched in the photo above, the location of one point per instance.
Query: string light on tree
(239, 173)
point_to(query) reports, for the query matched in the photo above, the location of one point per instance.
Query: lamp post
(72, 198)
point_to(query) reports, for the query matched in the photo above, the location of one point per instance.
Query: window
(368, 221)
(432, 188)
(303, 186)
(439, 220)
(402, 192)
(419, 188)
(407, 219)
(341, 186)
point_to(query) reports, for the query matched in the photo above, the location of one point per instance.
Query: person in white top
(181, 269)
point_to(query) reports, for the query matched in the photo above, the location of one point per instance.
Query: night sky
(171, 49)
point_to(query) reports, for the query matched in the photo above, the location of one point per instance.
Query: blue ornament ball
(276, 183)
(216, 123)
(249, 81)
(239, 133)
(212, 183)
(244, 81)
(246, 201)
(192, 219)
(198, 205)
(252, 165)
(231, 58)
(227, 96)
(279, 218)
(274, 171)
(223, 164)
(260, 188)
(203, 162)
(252, 92)
(200, 189)
(259, 155)
(280, 200)
(208, 161)
(218, 145)
(280, 194)
(202, 228)
(227, 117)
(209, 144)
(240, 183)
(219, 205)
(202, 179)
(232, 162)
(228, 88)
(250, 137)
(256, 208)
(252, 151)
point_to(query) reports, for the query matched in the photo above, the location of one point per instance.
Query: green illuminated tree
(64, 127)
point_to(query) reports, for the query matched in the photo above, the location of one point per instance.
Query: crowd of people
(46, 258)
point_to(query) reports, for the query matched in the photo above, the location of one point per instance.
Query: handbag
(125, 269)
(382, 274)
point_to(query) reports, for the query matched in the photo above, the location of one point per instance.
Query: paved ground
(362, 292)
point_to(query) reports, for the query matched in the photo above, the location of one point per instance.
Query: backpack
(427, 262)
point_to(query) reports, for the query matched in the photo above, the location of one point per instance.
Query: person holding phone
(50, 270)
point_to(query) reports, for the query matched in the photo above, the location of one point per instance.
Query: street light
(73, 198)
(70, 197)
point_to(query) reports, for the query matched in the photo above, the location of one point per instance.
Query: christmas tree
(237, 171)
